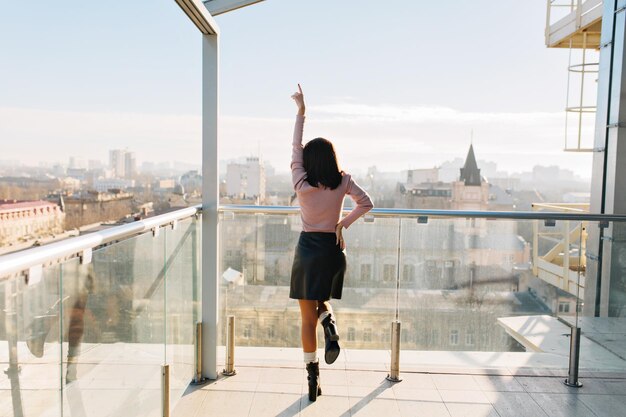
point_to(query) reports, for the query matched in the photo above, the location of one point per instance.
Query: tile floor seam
(580, 399)
(252, 401)
(563, 394)
(197, 414)
(198, 409)
(538, 405)
(535, 401)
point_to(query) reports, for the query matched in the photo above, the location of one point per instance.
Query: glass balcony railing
(89, 326)
(466, 283)
(88, 336)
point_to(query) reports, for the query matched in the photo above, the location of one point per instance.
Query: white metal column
(199, 13)
(210, 201)
(202, 19)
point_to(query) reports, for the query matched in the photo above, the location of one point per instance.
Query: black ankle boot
(313, 370)
(331, 337)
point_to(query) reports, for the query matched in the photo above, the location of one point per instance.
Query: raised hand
(298, 97)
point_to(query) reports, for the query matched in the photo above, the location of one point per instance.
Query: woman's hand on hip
(339, 234)
(298, 97)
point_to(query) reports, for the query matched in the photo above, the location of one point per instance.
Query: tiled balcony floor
(258, 391)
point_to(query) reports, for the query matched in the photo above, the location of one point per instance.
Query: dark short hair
(320, 164)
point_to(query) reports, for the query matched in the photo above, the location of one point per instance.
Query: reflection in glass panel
(30, 311)
(181, 277)
(114, 326)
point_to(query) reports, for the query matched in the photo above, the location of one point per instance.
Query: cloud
(427, 114)
(31, 135)
(391, 137)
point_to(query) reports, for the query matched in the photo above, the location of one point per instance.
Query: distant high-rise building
(130, 165)
(123, 163)
(117, 162)
(246, 181)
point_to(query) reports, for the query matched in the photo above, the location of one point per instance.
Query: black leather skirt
(319, 266)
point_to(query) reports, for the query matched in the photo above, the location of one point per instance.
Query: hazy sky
(397, 87)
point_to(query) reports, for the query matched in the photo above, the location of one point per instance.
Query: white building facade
(246, 181)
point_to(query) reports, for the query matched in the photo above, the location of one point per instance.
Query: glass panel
(256, 256)
(256, 259)
(181, 277)
(113, 316)
(602, 316)
(368, 305)
(29, 344)
(459, 277)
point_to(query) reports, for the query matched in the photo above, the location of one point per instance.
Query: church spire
(470, 174)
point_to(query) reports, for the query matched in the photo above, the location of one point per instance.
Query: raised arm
(298, 174)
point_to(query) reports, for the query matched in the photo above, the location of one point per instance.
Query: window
(387, 336)
(563, 306)
(271, 333)
(454, 337)
(434, 336)
(367, 334)
(389, 272)
(351, 334)
(247, 331)
(469, 338)
(408, 273)
(366, 272)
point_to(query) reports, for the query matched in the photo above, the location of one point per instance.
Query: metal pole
(574, 354)
(165, 390)
(210, 201)
(13, 371)
(198, 378)
(230, 348)
(394, 372)
(582, 89)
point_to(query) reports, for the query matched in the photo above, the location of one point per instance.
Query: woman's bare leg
(308, 311)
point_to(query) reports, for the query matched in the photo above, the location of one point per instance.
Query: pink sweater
(321, 207)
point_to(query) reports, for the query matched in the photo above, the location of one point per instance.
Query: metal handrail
(395, 212)
(17, 262)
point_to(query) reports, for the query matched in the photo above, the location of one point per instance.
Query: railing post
(574, 355)
(394, 371)
(165, 390)
(198, 378)
(230, 348)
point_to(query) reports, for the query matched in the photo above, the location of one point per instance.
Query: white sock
(323, 316)
(310, 357)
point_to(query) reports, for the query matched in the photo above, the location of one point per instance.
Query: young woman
(319, 263)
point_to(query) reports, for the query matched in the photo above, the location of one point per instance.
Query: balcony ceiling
(217, 7)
